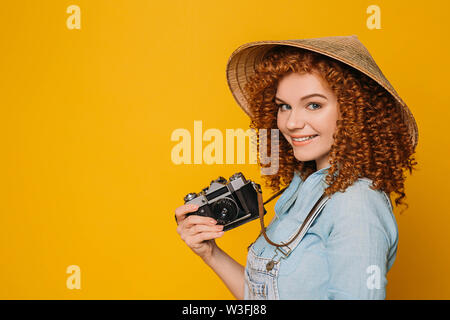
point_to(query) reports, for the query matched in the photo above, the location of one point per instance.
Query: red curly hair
(371, 139)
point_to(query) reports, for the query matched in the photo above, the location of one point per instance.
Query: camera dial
(220, 179)
(236, 176)
(190, 196)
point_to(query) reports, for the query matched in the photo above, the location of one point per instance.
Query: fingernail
(212, 221)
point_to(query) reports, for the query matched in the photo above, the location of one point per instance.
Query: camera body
(232, 203)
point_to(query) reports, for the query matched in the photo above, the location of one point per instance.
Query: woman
(346, 134)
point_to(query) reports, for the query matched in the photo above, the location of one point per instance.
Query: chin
(304, 158)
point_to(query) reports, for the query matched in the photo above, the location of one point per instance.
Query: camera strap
(318, 206)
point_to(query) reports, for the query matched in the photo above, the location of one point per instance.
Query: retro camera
(232, 203)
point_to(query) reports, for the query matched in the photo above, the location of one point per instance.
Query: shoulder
(361, 193)
(360, 206)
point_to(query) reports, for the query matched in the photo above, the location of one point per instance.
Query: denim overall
(261, 281)
(354, 235)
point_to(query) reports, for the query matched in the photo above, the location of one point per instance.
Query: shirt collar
(322, 171)
(290, 194)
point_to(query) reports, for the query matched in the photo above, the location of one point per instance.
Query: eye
(316, 104)
(280, 106)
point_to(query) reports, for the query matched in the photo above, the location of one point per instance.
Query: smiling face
(307, 107)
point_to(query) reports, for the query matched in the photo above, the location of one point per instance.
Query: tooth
(304, 139)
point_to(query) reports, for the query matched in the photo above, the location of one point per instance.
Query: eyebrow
(306, 97)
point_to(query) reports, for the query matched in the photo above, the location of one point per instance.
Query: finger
(195, 219)
(195, 224)
(198, 228)
(203, 236)
(181, 211)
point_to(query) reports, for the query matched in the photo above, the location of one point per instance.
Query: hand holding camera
(232, 203)
(217, 208)
(197, 232)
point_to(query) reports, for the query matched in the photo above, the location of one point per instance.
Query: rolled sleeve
(361, 245)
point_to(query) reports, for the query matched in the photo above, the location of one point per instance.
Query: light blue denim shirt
(345, 254)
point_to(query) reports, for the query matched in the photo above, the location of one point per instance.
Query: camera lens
(225, 210)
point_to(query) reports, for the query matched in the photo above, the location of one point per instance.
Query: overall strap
(316, 209)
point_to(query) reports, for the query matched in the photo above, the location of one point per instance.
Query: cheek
(281, 126)
(327, 130)
(329, 122)
(330, 132)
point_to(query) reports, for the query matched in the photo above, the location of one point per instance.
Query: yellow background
(87, 115)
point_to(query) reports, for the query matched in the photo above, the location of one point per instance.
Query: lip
(302, 143)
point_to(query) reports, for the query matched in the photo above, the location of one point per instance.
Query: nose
(295, 121)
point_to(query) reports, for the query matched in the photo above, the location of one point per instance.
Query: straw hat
(346, 49)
